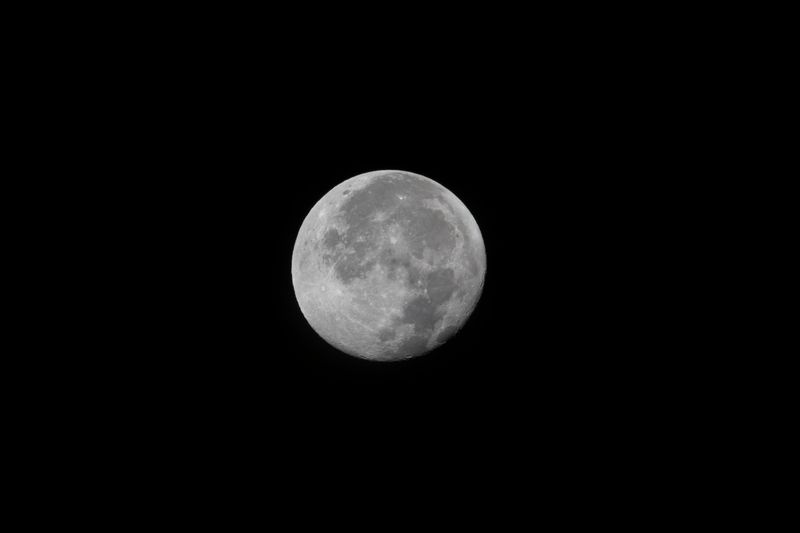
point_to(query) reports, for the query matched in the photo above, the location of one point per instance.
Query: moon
(388, 265)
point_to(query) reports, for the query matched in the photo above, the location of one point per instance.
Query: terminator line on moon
(388, 265)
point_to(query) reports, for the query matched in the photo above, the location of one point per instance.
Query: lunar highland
(388, 265)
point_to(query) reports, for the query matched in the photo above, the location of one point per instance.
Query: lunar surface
(388, 265)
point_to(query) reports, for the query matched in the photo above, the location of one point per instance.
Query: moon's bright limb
(388, 265)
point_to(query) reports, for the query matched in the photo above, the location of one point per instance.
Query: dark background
(198, 153)
(550, 170)
(171, 157)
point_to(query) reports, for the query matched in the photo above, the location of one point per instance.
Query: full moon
(388, 265)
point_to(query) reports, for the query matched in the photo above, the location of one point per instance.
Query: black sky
(217, 158)
(187, 148)
(541, 172)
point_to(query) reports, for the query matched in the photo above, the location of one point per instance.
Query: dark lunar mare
(332, 238)
(424, 312)
(387, 334)
(424, 227)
